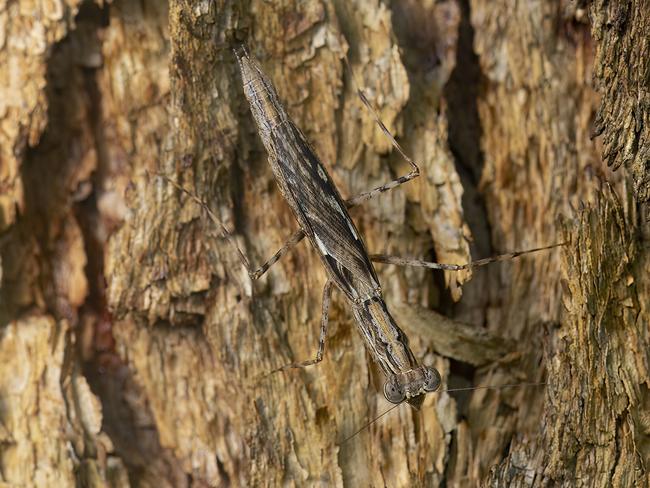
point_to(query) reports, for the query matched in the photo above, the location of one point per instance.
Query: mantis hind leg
(415, 170)
(383, 258)
(327, 297)
(254, 274)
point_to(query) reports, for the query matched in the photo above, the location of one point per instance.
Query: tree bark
(134, 347)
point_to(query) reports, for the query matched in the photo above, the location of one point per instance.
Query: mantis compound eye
(393, 392)
(432, 379)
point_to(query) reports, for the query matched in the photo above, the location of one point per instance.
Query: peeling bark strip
(324, 219)
(622, 63)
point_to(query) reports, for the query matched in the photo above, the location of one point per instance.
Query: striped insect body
(323, 217)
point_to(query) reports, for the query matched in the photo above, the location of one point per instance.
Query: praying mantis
(323, 217)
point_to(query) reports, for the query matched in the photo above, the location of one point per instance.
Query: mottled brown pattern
(132, 338)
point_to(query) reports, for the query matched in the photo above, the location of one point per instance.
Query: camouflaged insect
(323, 217)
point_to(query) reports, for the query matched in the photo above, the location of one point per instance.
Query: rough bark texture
(133, 345)
(622, 73)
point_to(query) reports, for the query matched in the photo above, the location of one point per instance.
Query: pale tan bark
(133, 344)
